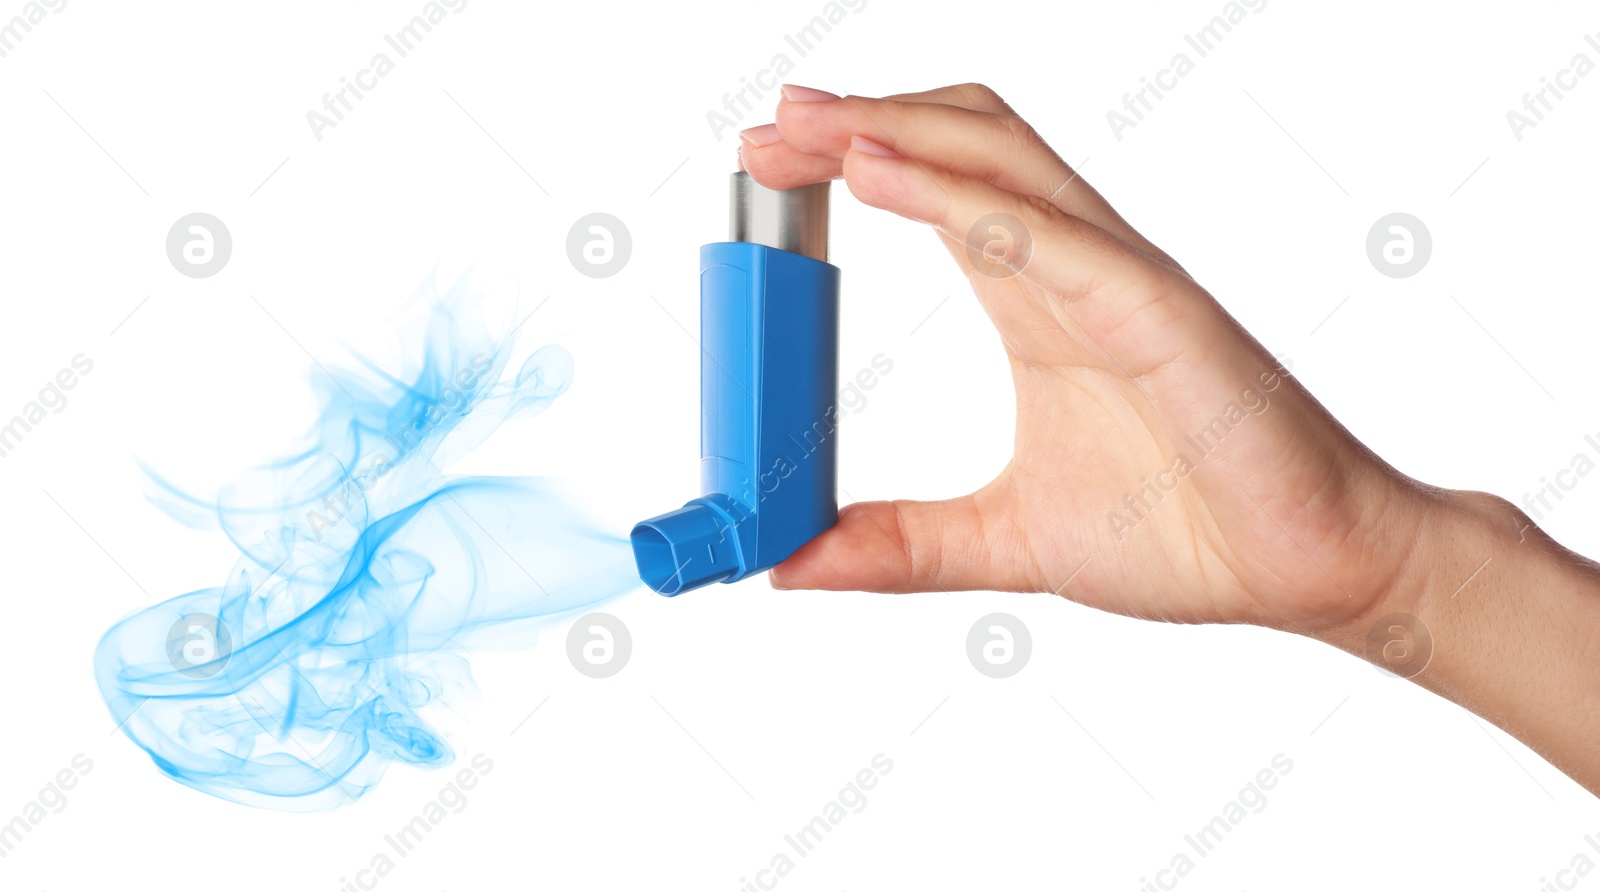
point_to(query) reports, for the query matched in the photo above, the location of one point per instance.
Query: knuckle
(1020, 133)
(979, 94)
(892, 109)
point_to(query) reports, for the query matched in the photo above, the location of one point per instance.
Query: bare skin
(1122, 363)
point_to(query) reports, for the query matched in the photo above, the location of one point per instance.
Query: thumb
(900, 546)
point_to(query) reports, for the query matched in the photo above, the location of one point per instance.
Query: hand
(1165, 465)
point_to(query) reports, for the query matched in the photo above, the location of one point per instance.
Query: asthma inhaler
(769, 354)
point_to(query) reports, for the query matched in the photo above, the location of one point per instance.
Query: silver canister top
(793, 220)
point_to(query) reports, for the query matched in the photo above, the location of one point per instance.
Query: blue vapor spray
(337, 644)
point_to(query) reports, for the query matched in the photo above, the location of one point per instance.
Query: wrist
(1490, 613)
(1461, 535)
(1455, 537)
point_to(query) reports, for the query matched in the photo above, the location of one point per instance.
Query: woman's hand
(1165, 465)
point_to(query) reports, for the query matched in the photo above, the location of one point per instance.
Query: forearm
(1514, 620)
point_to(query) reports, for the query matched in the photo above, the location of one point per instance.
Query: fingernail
(806, 94)
(868, 147)
(765, 135)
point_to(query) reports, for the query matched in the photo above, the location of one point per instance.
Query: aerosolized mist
(366, 575)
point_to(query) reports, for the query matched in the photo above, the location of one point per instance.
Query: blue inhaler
(769, 355)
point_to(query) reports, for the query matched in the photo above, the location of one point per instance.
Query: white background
(743, 710)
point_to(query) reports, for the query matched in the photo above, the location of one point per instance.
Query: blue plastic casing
(769, 339)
